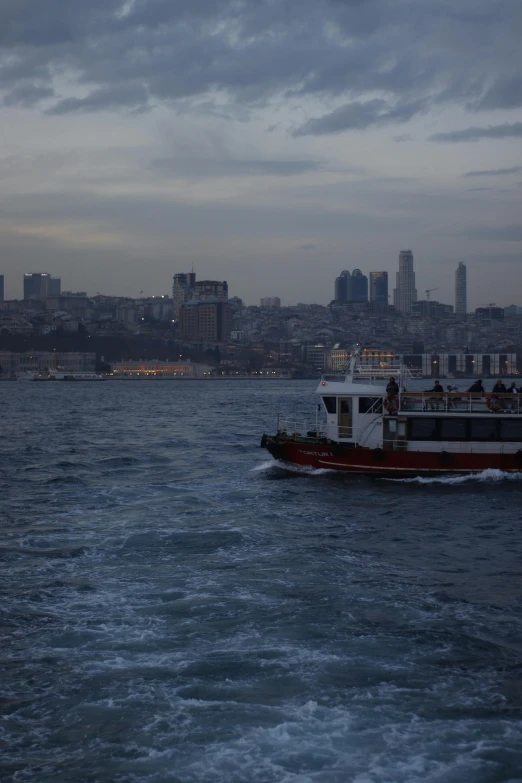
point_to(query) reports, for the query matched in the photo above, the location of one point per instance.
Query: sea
(176, 607)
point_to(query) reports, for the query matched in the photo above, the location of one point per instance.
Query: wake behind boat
(365, 429)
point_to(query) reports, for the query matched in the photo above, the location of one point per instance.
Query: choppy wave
(490, 475)
(188, 614)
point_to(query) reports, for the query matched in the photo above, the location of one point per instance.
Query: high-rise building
(211, 289)
(359, 287)
(1, 288)
(185, 288)
(351, 287)
(182, 291)
(206, 320)
(461, 295)
(36, 285)
(342, 283)
(379, 287)
(54, 286)
(405, 294)
(270, 301)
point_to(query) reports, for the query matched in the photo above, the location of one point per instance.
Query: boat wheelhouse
(362, 429)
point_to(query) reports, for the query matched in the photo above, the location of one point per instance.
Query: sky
(269, 143)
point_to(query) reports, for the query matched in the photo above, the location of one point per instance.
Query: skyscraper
(342, 284)
(359, 287)
(405, 294)
(54, 286)
(379, 287)
(461, 297)
(182, 291)
(206, 319)
(185, 288)
(351, 287)
(36, 285)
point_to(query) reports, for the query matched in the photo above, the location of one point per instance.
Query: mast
(353, 362)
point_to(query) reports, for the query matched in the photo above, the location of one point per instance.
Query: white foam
(489, 475)
(292, 468)
(271, 463)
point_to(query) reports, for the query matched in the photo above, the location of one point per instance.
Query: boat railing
(458, 402)
(306, 428)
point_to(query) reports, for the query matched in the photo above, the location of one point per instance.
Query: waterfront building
(430, 365)
(15, 365)
(379, 287)
(314, 356)
(461, 301)
(151, 370)
(405, 293)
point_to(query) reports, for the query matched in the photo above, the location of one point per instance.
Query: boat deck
(459, 403)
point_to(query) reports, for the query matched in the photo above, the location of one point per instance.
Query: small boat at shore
(69, 376)
(362, 429)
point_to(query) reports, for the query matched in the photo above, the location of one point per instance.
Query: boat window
(330, 403)
(344, 406)
(375, 403)
(483, 429)
(453, 429)
(423, 429)
(510, 429)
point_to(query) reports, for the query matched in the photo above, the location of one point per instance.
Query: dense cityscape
(197, 330)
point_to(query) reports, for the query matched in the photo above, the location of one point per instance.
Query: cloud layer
(256, 133)
(388, 59)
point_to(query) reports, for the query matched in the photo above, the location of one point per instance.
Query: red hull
(380, 463)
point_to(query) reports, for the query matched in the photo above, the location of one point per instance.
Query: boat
(359, 428)
(53, 375)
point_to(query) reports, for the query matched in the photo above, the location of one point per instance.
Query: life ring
(391, 403)
(494, 404)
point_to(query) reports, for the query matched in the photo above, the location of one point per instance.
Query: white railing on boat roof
(371, 372)
(459, 402)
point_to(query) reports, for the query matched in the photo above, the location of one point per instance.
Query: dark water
(176, 608)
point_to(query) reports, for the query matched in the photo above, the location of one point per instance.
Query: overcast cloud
(144, 136)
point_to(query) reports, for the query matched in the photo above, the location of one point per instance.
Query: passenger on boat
(513, 404)
(392, 388)
(476, 388)
(391, 402)
(452, 401)
(498, 388)
(438, 391)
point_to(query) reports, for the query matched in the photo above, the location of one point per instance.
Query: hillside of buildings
(198, 322)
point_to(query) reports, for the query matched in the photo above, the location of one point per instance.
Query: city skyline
(261, 143)
(375, 284)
